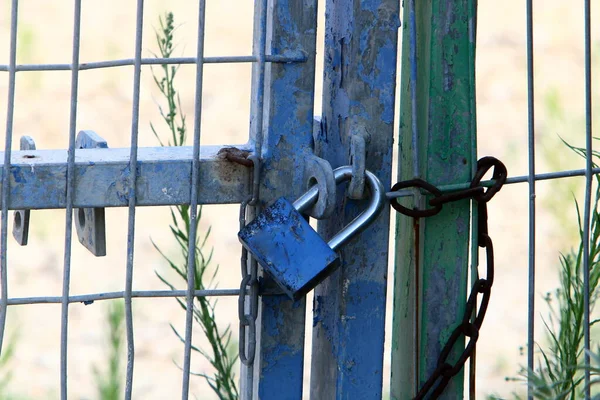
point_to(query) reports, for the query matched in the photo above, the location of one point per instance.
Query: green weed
(219, 354)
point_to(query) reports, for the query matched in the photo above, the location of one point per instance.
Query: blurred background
(105, 97)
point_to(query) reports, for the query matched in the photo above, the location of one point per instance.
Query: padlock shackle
(362, 221)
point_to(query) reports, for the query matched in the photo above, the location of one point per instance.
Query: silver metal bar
(191, 261)
(7, 159)
(531, 184)
(298, 58)
(91, 297)
(588, 194)
(37, 178)
(132, 183)
(70, 180)
(259, 94)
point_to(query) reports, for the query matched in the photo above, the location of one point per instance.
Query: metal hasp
(37, 177)
(319, 172)
(21, 217)
(90, 222)
(438, 144)
(358, 93)
(288, 248)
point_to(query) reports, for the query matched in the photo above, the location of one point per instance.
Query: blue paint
(362, 370)
(17, 175)
(349, 307)
(370, 5)
(282, 364)
(288, 125)
(286, 21)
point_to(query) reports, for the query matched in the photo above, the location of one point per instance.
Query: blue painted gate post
(287, 123)
(358, 99)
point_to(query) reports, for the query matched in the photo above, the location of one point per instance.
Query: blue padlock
(291, 251)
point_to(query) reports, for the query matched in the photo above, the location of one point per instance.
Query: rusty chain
(248, 297)
(469, 327)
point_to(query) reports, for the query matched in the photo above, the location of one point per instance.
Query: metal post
(287, 123)
(432, 253)
(349, 306)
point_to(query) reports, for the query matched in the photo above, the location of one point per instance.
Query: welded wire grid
(531, 178)
(259, 57)
(589, 171)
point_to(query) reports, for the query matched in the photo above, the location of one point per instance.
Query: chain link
(248, 298)
(471, 322)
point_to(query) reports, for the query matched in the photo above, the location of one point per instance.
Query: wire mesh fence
(194, 160)
(130, 196)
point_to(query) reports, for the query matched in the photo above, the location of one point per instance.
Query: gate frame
(437, 143)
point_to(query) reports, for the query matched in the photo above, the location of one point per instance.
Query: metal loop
(499, 176)
(482, 309)
(440, 374)
(445, 371)
(255, 178)
(249, 283)
(469, 193)
(242, 299)
(489, 252)
(482, 223)
(247, 357)
(318, 172)
(416, 213)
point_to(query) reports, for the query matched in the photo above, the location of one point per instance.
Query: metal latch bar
(38, 177)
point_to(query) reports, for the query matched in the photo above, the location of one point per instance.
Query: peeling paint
(359, 85)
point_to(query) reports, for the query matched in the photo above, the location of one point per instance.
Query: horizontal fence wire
(156, 61)
(515, 179)
(90, 298)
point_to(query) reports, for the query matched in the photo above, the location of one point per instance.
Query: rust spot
(236, 155)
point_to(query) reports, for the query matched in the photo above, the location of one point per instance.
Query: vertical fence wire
(6, 169)
(259, 53)
(259, 50)
(135, 114)
(531, 184)
(64, 332)
(191, 261)
(588, 194)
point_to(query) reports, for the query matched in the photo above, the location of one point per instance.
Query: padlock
(291, 251)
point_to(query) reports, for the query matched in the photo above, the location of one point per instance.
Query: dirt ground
(42, 111)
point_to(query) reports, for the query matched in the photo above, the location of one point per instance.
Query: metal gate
(356, 124)
(290, 146)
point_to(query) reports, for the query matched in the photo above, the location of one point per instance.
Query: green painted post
(432, 253)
